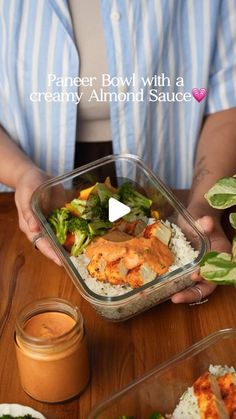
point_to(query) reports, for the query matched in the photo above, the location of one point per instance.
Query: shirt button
(115, 16)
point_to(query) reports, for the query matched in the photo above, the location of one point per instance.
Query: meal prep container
(59, 190)
(160, 389)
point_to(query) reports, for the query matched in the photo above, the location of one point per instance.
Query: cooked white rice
(187, 407)
(180, 247)
(219, 370)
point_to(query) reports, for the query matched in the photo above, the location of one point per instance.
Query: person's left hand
(218, 242)
(27, 183)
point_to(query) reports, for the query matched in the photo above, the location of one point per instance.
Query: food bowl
(121, 306)
(160, 389)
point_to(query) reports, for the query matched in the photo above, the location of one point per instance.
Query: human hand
(218, 242)
(25, 186)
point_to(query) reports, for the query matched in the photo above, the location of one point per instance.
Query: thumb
(29, 218)
(207, 224)
(33, 224)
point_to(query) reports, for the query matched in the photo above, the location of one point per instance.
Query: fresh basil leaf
(223, 194)
(232, 219)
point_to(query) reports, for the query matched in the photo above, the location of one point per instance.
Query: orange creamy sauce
(58, 373)
(49, 325)
(152, 251)
(133, 252)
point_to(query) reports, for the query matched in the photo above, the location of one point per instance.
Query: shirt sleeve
(222, 80)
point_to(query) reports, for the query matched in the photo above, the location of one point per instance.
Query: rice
(101, 288)
(219, 370)
(179, 246)
(187, 407)
(125, 308)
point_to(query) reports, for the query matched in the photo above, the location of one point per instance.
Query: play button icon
(117, 209)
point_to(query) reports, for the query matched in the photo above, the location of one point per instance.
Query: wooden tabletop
(119, 352)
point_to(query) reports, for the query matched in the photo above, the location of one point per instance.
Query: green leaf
(219, 269)
(222, 201)
(207, 256)
(156, 415)
(123, 417)
(234, 249)
(232, 219)
(223, 194)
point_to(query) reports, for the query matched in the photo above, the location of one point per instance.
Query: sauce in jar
(51, 350)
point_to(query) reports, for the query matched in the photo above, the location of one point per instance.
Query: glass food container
(120, 168)
(160, 389)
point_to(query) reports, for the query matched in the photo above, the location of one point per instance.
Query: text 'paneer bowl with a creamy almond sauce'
(126, 241)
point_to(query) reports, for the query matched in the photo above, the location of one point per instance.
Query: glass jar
(51, 350)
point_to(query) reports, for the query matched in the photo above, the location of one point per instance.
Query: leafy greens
(220, 268)
(86, 216)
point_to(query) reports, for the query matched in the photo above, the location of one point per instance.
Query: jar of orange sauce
(51, 350)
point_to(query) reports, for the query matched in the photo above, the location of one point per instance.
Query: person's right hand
(26, 185)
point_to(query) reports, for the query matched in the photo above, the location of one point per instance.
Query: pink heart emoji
(199, 94)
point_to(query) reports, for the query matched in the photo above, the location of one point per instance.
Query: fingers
(47, 250)
(27, 222)
(191, 295)
(207, 224)
(211, 226)
(44, 246)
(214, 230)
(33, 225)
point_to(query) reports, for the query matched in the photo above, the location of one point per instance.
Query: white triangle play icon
(116, 209)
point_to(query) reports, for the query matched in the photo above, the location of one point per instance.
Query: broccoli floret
(104, 194)
(80, 243)
(89, 209)
(93, 208)
(79, 227)
(79, 205)
(84, 232)
(96, 206)
(77, 223)
(129, 196)
(59, 219)
(98, 228)
(139, 204)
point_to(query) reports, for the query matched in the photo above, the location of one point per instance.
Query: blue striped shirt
(192, 39)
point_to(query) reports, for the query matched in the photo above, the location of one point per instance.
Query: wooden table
(119, 352)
